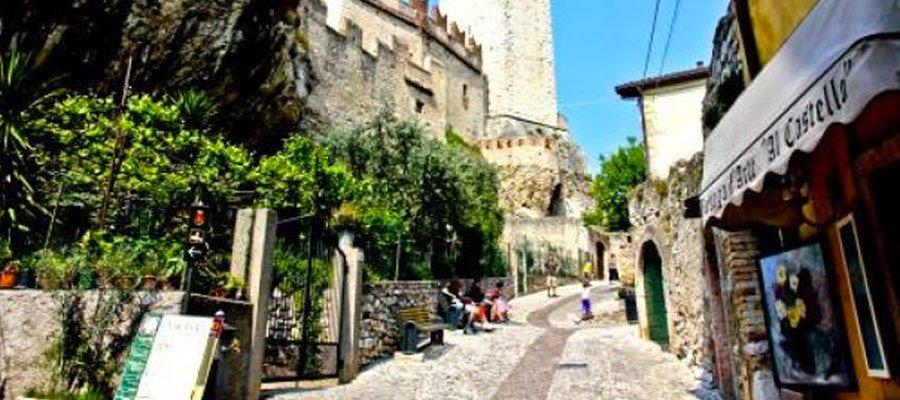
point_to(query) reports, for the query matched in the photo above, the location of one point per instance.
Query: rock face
(30, 322)
(656, 210)
(246, 53)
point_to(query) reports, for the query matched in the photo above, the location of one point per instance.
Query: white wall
(673, 125)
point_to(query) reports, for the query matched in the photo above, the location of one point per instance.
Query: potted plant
(9, 275)
(9, 269)
(53, 271)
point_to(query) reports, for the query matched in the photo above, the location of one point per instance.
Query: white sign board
(178, 360)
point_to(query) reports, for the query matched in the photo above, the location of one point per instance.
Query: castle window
(465, 97)
(420, 106)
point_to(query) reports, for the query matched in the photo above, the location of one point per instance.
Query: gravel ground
(544, 355)
(468, 367)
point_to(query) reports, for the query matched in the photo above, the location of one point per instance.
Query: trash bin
(410, 338)
(631, 313)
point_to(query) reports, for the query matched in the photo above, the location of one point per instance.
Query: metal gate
(303, 328)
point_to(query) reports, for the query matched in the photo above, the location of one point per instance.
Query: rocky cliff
(251, 55)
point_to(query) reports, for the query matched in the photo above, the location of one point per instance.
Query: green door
(654, 295)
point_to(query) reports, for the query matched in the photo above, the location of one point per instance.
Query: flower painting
(807, 343)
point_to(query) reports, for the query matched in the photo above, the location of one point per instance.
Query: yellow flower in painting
(793, 315)
(781, 274)
(780, 309)
(801, 307)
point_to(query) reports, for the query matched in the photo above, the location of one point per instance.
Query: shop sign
(805, 120)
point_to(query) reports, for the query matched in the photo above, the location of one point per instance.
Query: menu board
(169, 359)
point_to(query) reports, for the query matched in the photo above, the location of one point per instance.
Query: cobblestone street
(541, 354)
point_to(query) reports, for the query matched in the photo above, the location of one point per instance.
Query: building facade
(667, 249)
(796, 196)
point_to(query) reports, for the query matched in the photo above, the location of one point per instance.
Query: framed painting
(807, 343)
(861, 299)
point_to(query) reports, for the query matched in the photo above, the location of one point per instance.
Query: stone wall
(381, 333)
(656, 211)
(30, 322)
(393, 57)
(568, 236)
(621, 250)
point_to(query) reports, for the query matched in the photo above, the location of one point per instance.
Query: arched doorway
(654, 294)
(600, 252)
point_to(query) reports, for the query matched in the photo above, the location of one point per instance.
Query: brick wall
(743, 304)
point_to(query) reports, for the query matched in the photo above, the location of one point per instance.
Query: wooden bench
(427, 330)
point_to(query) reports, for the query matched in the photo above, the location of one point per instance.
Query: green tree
(619, 174)
(427, 208)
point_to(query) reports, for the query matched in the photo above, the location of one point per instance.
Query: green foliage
(20, 97)
(85, 354)
(302, 177)
(196, 109)
(723, 96)
(619, 174)
(97, 259)
(164, 162)
(64, 395)
(435, 202)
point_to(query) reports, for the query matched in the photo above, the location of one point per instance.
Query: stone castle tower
(517, 46)
(542, 171)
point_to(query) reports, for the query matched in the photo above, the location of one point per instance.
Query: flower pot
(218, 292)
(148, 282)
(9, 279)
(167, 285)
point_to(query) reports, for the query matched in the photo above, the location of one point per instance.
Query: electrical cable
(652, 34)
(662, 62)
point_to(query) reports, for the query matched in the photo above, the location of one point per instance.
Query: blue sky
(602, 43)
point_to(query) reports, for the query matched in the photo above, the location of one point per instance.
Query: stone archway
(657, 325)
(599, 264)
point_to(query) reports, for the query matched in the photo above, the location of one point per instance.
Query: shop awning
(843, 55)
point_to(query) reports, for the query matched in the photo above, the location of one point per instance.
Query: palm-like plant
(196, 109)
(20, 96)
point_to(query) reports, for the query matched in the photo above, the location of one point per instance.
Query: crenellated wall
(388, 55)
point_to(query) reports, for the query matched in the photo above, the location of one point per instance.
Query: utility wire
(652, 34)
(662, 63)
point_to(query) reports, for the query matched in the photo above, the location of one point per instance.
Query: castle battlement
(419, 17)
(547, 143)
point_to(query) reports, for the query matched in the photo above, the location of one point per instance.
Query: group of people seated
(476, 309)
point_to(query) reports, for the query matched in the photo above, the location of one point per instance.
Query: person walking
(586, 300)
(551, 267)
(613, 270)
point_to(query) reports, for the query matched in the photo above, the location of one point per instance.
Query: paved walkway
(541, 354)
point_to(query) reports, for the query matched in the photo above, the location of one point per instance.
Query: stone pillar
(240, 247)
(259, 286)
(350, 267)
(738, 255)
